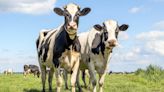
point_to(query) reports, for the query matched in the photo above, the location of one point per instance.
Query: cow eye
(75, 18)
(77, 13)
(116, 34)
(67, 14)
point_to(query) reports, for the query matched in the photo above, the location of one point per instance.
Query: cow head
(71, 12)
(26, 67)
(110, 31)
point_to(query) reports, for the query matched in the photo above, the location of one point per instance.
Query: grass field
(113, 83)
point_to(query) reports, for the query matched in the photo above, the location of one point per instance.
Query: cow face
(26, 67)
(110, 31)
(71, 13)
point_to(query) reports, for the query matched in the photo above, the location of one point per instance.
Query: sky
(141, 45)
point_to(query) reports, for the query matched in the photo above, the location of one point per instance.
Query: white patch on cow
(72, 9)
(68, 59)
(83, 40)
(111, 27)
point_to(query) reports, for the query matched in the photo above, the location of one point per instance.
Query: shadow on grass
(36, 90)
(31, 90)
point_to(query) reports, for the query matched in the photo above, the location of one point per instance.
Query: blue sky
(142, 44)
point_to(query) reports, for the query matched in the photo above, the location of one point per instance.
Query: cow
(96, 49)
(58, 45)
(28, 69)
(8, 71)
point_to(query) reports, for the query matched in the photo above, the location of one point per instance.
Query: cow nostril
(72, 24)
(112, 42)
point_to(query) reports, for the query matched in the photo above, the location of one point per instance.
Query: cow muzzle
(72, 26)
(112, 43)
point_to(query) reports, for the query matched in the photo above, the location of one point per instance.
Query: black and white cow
(96, 49)
(8, 71)
(28, 69)
(59, 45)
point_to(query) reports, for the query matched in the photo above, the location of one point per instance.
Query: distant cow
(8, 71)
(28, 69)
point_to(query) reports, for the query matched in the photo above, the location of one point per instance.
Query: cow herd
(63, 48)
(62, 51)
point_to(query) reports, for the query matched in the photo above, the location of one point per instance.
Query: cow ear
(85, 11)
(98, 27)
(59, 11)
(123, 27)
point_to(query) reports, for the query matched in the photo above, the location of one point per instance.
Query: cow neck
(69, 41)
(62, 42)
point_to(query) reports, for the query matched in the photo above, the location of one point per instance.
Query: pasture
(113, 83)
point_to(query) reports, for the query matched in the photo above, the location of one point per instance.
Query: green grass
(113, 83)
(151, 73)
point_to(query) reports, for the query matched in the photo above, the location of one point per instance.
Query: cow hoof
(89, 88)
(80, 90)
(66, 88)
(50, 89)
(43, 90)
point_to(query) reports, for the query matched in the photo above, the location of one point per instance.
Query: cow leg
(101, 81)
(92, 75)
(50, 77)
(24, 73)
(58, 79)
(77, 81)
(43, 69)
(83, 78)
(74, 75)
(35, 72)
(65, 76)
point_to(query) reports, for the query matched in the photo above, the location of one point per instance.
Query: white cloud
(144, 62)
(123, 36)
(150, 35)
(135, 10)
(159, 25)
(153, 41)
(27, 6)
(133, 54)
(156, 46)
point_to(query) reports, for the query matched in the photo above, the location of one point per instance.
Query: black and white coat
(31, 69)
(96, 49)
(56, 47)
